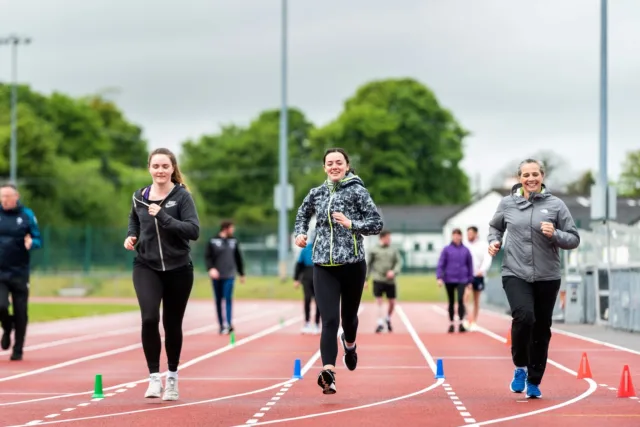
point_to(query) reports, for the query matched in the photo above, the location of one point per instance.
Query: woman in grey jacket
(344, 213)
(538, 225)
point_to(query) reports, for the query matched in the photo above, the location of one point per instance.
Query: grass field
(44, 312)
(410, 287)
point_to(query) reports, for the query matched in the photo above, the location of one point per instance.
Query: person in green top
(384, 265)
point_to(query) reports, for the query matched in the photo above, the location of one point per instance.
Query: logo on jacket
(170, 204)
(19, 220)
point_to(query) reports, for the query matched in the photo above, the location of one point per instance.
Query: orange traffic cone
(625, 389)
(584, 371)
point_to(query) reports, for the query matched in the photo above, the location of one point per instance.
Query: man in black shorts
(383, 265)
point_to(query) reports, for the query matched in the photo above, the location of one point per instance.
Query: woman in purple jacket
(455, 271)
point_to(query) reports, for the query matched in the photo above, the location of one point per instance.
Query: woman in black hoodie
(162, 221)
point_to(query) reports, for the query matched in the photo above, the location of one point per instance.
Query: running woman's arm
(371, 223)
(209, 256)
(239, 261)
(305, 212)
(34, 230)
(397, 266)
(442, 264)
(189, 227)
(497, 225)
(566, 234)
(134, 223)
(470, 267)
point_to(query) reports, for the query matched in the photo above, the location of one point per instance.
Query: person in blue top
(455, 272)
(304, 274)
(19, 235)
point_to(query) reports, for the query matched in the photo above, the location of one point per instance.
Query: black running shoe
(350, 357)
(389, 328)
(327, 381)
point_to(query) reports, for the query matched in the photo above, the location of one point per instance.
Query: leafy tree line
(80, 158)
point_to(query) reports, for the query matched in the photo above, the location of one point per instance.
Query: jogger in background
(383, 265)
(455, 272)
(304, 274)
(223, 259)
(162, 222)
(344, 213)
(19, 235)
(537, 224)
(481, 265)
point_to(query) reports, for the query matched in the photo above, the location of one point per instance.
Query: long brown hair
(176, 176)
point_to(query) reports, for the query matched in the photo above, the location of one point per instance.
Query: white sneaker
(306, 329)
(154, 391)
(171, 392)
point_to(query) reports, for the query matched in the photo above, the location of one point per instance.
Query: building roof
(417, 218)
(628, 208)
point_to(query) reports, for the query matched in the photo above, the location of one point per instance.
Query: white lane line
(593, 386)
(81, 338)
(240, 342)
(574, 335)
(303, 372)
(228, 347)
(424, 352)
(448, 388)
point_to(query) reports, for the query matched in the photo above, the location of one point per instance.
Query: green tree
(582, 185)
(406, 147)
(629, 183)
(236, 170)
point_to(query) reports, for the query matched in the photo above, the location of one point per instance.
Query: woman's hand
(547, 229)
(341, 219)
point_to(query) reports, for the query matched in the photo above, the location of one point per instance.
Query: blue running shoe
(519, 380)
(533, 391)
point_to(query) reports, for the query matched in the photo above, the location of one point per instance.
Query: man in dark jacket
(19, 234)
(223, 259)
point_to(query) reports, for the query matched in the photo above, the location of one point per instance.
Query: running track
(250, 383)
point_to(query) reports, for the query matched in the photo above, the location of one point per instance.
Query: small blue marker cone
(297, 370)
(439, 370)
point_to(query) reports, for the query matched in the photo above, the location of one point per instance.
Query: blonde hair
(176, 176)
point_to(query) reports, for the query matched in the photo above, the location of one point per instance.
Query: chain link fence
(600, 281)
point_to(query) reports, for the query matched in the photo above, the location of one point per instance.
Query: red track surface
(250, 383)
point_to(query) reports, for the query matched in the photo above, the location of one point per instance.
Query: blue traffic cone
(297, 370)
(439, 369)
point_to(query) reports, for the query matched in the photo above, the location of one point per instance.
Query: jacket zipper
(533, 265)
(331, 228)
(155, 220)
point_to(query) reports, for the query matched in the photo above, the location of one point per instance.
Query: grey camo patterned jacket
(334, 244)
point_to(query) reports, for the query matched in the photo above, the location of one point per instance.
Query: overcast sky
(522, 76)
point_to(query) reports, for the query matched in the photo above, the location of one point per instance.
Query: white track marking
(303, 372)
(267, 331)
(422, 349)
(108, 353)
(81, 338)
(593, 386)
(182, 366)
(574, 335)
(448, 388)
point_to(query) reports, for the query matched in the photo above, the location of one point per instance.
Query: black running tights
(173, 289)
(338, 291)
(451, 289)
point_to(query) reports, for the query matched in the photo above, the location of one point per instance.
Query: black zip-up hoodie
(163, 241)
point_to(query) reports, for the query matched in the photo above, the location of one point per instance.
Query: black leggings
(173, 289)
(331, 284)
(532, 307)
(18, 288)
(309, 296)
(451, 288)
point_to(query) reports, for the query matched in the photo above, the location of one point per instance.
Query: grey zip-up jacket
(529, 254)
(334, 244)
(163, 240)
